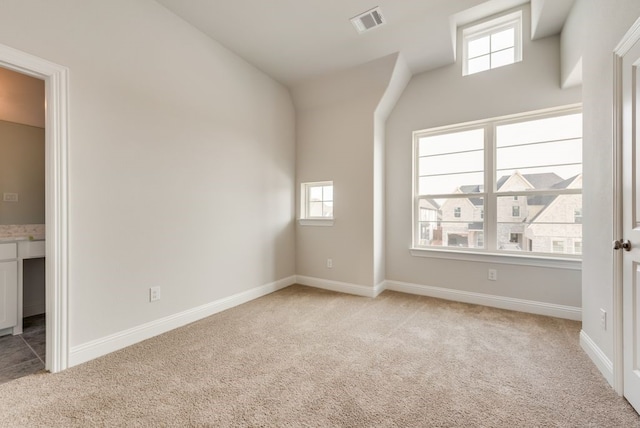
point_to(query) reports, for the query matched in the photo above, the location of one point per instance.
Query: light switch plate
(10, 197)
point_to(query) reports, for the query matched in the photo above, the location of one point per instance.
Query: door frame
(630, 38)
(56, 80)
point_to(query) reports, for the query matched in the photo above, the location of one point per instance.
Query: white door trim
(56, 80)
(627, 42)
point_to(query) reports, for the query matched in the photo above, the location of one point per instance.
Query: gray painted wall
(444, 97)
(603, 28)
(181, 161)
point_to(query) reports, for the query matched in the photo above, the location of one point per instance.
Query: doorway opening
(55, 243)
(22, 225)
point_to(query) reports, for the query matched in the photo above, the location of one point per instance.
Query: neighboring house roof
(474, 188)
(547, 180)
(561, 185)
(429, 204)
(565, 183)
(538, 181)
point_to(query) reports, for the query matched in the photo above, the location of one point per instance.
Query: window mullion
(490, 212)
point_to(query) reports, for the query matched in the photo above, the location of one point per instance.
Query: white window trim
(564, 261)
(496, 25)
(316, 222)
(530, 259)
(304, 220)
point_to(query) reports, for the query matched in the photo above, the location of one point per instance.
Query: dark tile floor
(23, 354)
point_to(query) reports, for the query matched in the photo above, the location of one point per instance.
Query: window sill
(501, 258)
(325, 222)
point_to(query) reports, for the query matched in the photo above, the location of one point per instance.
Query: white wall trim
(113, 342)
(341, 287)
(520, 305)
(499, 258)
(56, 79)
(598, 357)
(326, 222)
(379, 288)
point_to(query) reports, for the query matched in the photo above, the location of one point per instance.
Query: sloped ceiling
(293, 40)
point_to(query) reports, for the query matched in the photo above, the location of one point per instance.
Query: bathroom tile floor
(23, 354)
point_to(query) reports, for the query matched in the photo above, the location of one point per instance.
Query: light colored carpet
(307, 357)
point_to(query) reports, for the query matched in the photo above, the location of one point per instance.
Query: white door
(629, 245)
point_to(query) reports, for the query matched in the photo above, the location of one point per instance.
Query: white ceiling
(293, 40)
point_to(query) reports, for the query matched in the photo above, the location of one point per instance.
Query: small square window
(557, 246)
(577, 247)
(457, 212)
(316, 200)
(515, 211)
(492, 44)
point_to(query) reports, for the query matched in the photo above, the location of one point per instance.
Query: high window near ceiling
(492, 44)
(508, 185)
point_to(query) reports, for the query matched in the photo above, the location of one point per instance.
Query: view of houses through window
(526, 196)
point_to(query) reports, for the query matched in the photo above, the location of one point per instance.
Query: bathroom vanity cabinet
(8, 285)
(12, 255)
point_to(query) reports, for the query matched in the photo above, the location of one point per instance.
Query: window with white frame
(492, 44)
(577, 247)
(557, 246)
(469, 177)
(316, 200)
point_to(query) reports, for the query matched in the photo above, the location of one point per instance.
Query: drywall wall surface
(335, 141)
(572, 42)
(607, 22)
(181, 161)
(398, 82)
(22, 173)
(444, 97)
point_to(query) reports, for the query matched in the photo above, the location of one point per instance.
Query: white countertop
(21, 238)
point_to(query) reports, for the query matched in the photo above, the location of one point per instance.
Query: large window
(511, 185)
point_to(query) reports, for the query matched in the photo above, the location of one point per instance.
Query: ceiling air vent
(368, 20)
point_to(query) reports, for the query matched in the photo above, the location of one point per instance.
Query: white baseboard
(341, 287)
(520, 305)
(598, 357)
(105, 345)
(379, 288)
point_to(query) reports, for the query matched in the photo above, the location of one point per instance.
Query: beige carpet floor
(303, 357)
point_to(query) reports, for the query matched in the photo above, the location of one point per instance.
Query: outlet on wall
(493, 275)
(330, 263)
(154, 294)
(603, 319)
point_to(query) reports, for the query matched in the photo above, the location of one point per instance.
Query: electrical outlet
(154, 294)
(330, 263)
(493, 275)
(603, 319)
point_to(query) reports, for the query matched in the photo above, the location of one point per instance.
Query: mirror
(22, 149)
